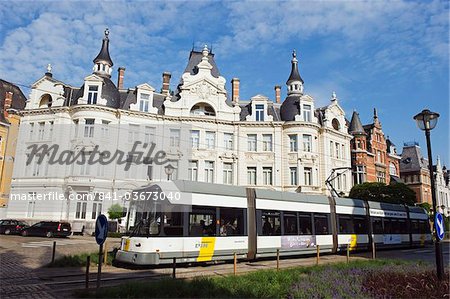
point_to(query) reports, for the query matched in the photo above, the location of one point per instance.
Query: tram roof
(290, 196)
(386, 206)
(350, 202)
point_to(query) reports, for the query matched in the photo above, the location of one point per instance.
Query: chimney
(277, 93)
(7, 103)
(166, 83)
(235, 90)
(120, 76)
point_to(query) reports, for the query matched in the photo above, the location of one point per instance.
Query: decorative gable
(200, 92)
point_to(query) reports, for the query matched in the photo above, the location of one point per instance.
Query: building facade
(291, 146)
(12, 101)
(374, 157)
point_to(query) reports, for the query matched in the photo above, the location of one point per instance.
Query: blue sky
(390, 55)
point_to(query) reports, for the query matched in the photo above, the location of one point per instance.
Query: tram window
(402, 226)
(305, 224)
(173, 224)
(387, 226)
(202, 223)
(415, 227)
(377, 225)
(395, 227)
(321, 224)
(424, 227)
(231, 222)
(271, 225)
(345, 224)
(290, 223)
(360, 225)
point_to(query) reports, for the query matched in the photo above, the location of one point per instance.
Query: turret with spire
(103, 63)
(295, 82)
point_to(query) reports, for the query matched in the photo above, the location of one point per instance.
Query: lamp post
(169, 171)
(426, 121)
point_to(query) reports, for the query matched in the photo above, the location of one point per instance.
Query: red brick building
(374, 157)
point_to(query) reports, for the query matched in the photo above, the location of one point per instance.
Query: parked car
(48, 229)
(11, 226)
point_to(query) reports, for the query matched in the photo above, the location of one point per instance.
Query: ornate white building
(291, 146)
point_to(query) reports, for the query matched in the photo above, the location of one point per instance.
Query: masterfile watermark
(94, 156)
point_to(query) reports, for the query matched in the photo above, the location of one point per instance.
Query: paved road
(22, 275)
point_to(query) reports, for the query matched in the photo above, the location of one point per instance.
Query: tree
(115, 211)
(397, 193)
(426, 206)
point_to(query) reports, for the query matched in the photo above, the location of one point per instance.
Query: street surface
(22, 260)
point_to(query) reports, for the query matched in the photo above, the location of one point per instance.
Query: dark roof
(109, 92)
(195, 57)
(246, 109)
(18, 100)
(290, 108)
(103, 56)
(355, 126)
(412, 159)
(295, 75)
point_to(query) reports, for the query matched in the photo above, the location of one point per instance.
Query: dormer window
(92, 94)
(203, 109)
(259, 112)
(306, 112)
(144, 102)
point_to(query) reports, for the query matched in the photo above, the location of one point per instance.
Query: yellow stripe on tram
(206, 249)
(353, 242)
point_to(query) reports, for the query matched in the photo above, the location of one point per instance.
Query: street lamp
(426, 121)
(169, 171)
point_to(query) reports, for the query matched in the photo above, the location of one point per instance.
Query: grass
(353, 280)
(79, 260)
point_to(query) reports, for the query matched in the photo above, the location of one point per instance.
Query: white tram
(199, 222)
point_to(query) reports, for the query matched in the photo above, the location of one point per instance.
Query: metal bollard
(88, 264)
(318, 255)
(54, 252)
(235, 264)
(348, 252)
(373, 249)
(105, 256)
(174, 267)
(278, 259)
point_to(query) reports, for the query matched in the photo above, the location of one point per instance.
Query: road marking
(49, 243)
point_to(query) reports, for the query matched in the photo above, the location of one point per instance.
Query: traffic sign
(439, 225)
(101, 229)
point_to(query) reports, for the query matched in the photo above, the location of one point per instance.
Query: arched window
(335, 123)
(203, 109)
(45, 101)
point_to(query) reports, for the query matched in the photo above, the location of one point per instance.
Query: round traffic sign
(101, 229)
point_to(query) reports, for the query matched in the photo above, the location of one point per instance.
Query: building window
(331, 149)
(203, 109)
(251, 175)
(308, 176)
(210, 140)
(267, 176)
(50, 130)
(84, 167)
(360, 175)
(195, 138)
(228, 173)
(193, 170)
(259, 111)
(267, 142)
(307, 112)
(379, 156)
(343, 151)
(31, 204)
(149, 135)
(381, 177)
(174, 175)
(338, 150)
(392, 169)
(307, 143)
(92, 94)
(228, 141)
(41, 131)
(89, 127)
(133, 133)
(209, 171)
(251, 141)
(174, 137)
(96, 207)
(293, 143)
(80, 213)
(144, 102)
(293, 171)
